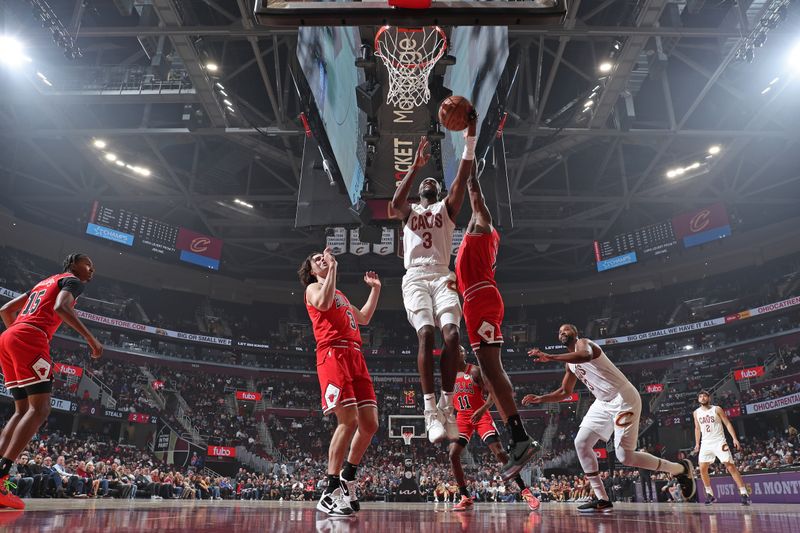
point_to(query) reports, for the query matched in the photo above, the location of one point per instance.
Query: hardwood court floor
(122, 516)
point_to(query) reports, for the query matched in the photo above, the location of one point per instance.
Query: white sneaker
(350, 495)
(448, 417)
(334, 504)
(434, 427)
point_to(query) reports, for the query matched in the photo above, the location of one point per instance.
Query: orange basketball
(454, 113)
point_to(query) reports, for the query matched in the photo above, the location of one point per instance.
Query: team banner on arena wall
(654, 388)
(386, 247)
(248, 396)
(69, 370)
(748, 373)
(775, 403)
(775, 487)
(221, 451)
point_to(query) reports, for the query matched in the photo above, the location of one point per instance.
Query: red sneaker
(532, 501)
(464, 504)
(6, 498)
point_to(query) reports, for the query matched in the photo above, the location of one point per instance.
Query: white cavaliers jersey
(601, 377)
(428, 236)
(711, 430)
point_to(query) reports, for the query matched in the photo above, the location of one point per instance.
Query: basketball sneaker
(349, 492)
(7, 499)
(596, 506)
(433, 426)
(532, 501)
(745, 499)
(519, 453)
(710, 499)
(686, 480)
(448, 417)
(334, 504)
(464, 505)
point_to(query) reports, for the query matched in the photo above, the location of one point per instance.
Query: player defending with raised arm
(31, 320)
(473, 415)
(709, 438)
(428, 295)
(344, 380)
(483, 314)
(616, 409)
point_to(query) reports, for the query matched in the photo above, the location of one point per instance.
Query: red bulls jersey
(476, 261)
(336, 324)
(39, 309)
(468, 395)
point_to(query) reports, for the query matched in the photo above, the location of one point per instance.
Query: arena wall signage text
(748, 373)
(775, 403)
(248, 396)
(221, 451)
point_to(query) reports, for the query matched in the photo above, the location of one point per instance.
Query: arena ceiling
(576, 174)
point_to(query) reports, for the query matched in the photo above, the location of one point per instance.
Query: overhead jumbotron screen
(151, 236)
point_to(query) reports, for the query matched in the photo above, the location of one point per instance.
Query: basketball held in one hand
(454, 113)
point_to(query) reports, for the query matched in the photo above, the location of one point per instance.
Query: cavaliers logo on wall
(199, 244)
(700, 221)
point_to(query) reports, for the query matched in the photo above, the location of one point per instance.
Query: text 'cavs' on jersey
(428, 236)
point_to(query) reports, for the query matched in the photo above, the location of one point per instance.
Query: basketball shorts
(483, 316)
(430, 297)
(343, 378)
(618, 416)
(485, 427)
(715, 450)
(25, 356)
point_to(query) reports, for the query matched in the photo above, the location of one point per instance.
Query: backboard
(441, 12)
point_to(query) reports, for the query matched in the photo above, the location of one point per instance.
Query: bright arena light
(99, 143)
(715, 149)
(688, 347)
(671, 173)
(794, 59)
(605, 67)
(11, 52)
(212, 67)
(110, 156)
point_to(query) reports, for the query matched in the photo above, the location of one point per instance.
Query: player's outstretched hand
(372, 280)
(531, 399)
(327, 255)
(96, 347)
(472, 123)
(541, 357)
(423, 154)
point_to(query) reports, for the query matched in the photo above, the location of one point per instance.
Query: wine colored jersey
(468, 395)
(39, 310)
(336, 324)
(476, 261)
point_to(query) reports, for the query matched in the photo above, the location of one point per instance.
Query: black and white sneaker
(710, 499)
(519, 453)
(334, 504)
(596, 506)
(686, 480)
(745, 499)
(349, 493)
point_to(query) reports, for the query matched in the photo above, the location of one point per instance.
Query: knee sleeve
(584, 446)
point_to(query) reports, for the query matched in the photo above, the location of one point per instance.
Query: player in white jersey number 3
(429, 292)
(709, 437)
(616, 410)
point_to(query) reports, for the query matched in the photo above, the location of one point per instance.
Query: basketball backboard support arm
(445, 13)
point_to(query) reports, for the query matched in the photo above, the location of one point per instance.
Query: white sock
(447, 399)
(743, 491)
(430, 401)
(709, 491)
(597, 486)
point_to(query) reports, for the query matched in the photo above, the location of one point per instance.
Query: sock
(5, 466)
(516, 428)
(519, 482)
(743, 491)
(597, 486)
(709, 491)
(349, 471)
(333, 483)
(463, 491)
(430, 401)
(447, 399)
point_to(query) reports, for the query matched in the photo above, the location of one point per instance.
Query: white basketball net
(407, 436)
(409, 56)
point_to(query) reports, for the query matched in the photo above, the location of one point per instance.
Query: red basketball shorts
(485, 426)
(343, 378)
(25, 356)
(483, 315)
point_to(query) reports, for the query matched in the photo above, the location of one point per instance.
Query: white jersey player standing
(616, 410)
(429, 292)
(710, 443)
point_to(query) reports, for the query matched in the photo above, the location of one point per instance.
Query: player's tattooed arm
(564, 391)
(11, 309)
(398, 207)
(582, 354)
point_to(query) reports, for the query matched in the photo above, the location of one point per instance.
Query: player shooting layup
(708, 422)
(428, 295)
(616, 410)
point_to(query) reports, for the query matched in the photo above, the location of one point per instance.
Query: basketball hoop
(409, 55)
(407, 436)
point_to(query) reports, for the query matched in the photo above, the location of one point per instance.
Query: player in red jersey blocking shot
(472, 414)
(483, 314)
(31, 320)
(344, 380)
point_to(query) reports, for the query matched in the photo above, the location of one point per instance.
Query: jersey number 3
(352, 319)
(427, 239)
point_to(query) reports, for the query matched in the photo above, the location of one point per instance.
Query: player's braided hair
(72, 259)
(304, 272)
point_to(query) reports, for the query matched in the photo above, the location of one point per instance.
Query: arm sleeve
(73, 285)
